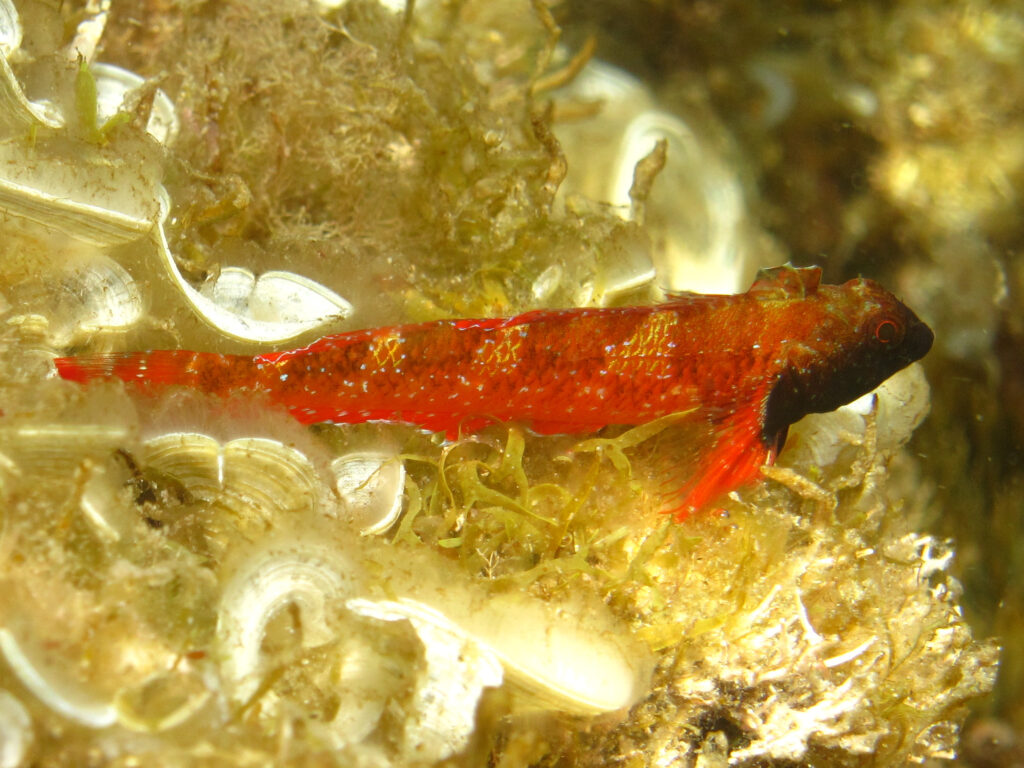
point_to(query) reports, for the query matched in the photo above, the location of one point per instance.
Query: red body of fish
(748, 365)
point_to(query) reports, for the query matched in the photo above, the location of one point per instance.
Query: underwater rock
(198, 579)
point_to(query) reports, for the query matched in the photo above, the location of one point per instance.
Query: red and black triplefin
(747, 365)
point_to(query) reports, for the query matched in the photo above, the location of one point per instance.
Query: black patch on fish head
(868, 336)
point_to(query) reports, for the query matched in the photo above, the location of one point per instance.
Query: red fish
(747, 365)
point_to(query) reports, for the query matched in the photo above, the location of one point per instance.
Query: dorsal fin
(683, 295)
(783, 282)
(786, 282)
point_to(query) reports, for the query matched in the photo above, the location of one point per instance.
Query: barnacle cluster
(190, 579)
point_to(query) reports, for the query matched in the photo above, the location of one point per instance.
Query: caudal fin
(156, 367)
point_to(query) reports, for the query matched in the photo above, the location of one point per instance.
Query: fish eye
(886, 331)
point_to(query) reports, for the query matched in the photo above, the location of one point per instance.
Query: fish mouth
(918, 340)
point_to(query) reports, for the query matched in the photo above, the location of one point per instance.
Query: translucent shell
(80, 200)
(565, 661)
(15, 732)
(15, 107)
(106, 204)
(447, 693)
(305, 575)
(82, 297)
(54, 687)
(435, 700)
(114, 89)
(273, 307)
(900, 404)
(695, 211)
(251, 477)
(109, 299)
(370, 484)
(10, 28)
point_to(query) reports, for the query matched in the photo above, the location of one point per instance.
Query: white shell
(53, 688)
(701, 249)
(89, 31)
(547, 282)
(560, 662)
(438, 699)
(447, 693)
(110, 298)
(306, 575)
(903, 401)
(575, 660)
(371, 485)
(194, 459)
(95, 295)
(396, 6)
(254, 477)
(299, 305)
(57, 448)
(114, 85)
(15, 106)
(16, 735)
(100, 205)
(275, 298)
(696, 208)
(10, 28)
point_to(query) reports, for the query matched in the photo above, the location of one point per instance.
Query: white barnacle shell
(272, 309)
(89, 296)
(572, 658)
(446, 694)
(53, 448)
(10, 28)
(564, 660)
(702, 249)
(192, 458)
(371, 484)
(432, 701)
(253, 477)
(109, 299)
(280, 301)
(304, 574)
(395, 6)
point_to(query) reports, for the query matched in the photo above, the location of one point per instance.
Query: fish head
(862, 334)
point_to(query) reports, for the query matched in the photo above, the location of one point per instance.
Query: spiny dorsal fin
(786, 282)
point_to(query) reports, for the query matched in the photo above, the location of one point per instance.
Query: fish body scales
(582, 368)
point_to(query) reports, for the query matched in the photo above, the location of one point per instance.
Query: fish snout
(918, 340)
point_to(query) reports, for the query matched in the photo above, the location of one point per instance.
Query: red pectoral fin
(734, 458)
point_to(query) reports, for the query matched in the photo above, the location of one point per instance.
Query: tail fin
(157, 367)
